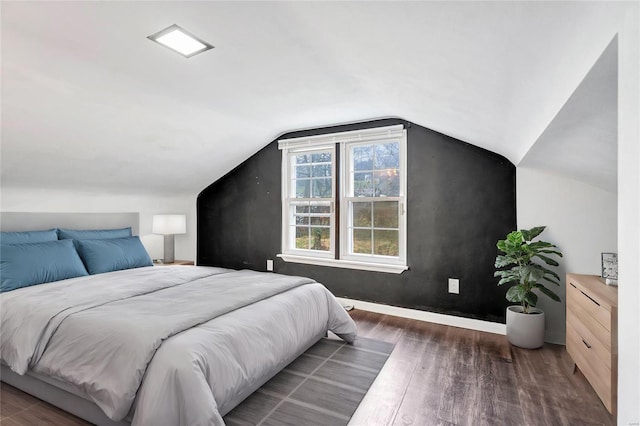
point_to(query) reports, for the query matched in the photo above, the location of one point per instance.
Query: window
(372, 201)
(368, 189)
(309, 205)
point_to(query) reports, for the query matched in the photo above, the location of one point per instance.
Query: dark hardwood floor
(436, 375)
(441, 375)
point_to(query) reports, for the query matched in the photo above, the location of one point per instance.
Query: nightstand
(174, 263)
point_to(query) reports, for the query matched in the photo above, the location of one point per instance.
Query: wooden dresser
(592, 333)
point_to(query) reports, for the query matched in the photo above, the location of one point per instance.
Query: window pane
(302, 208)
(362, 185)
(302, 237)
(323, 170)
(387, 183)
(303, 187)
(321, 208)
(322, 221)
(302, 220)
(385, 214)
(387, 156)
(363, 157)
(361, 214)
(321, 157)
(362, 241)
(320, 239)
(303, 172)
(303, 159)
(386, 243)
(321, 188)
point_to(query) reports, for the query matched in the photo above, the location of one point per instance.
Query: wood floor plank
(390, 329)
(423, 395)
(12, 397)
(44, 414)
(459, 390)
(436, 375)
(383, 399)
(8, 421)
(549, 391)
(7, 409)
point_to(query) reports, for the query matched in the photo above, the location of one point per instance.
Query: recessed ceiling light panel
(181, 41)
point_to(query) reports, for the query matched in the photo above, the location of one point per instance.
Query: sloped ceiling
(88, 102)
(581, 142)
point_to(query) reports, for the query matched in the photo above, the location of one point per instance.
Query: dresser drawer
(584, 317)
(590, 303)
(590, 365)
(589, 341)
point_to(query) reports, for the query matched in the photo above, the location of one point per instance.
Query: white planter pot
(525, 330)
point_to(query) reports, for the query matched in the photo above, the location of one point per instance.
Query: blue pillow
(101, 256)
(23, 265)
(93, 234)
(28, 237)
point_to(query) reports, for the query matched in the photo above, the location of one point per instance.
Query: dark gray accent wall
(461, 200)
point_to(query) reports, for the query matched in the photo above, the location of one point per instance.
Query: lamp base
(169, 249)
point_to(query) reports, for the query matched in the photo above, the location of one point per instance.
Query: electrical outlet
(270, 265)
(454, 285)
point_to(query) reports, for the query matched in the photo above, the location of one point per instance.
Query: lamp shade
(168, 224)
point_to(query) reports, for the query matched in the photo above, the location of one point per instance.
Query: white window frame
(290, 147)
(288, 198)
(347, 198)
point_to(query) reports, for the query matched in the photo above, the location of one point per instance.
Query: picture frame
(610, 266)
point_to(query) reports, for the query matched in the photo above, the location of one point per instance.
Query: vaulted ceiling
(581, 140)
(88, 102)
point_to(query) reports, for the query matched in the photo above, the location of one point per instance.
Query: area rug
(323, 386)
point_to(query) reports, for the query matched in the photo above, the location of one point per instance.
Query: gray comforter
(200, 337)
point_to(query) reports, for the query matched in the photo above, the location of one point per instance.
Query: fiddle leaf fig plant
(524, 274)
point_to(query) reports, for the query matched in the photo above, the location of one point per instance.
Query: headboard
(35, 221)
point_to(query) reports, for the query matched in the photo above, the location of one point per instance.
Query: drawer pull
(586, 344)
(589, 297)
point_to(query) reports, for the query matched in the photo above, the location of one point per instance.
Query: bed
(178, 345)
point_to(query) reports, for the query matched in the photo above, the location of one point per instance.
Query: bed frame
(59, 396)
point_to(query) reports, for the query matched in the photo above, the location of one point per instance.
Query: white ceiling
(88, 102)
(581, 142)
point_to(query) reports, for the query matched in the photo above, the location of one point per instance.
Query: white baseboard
(472, 324)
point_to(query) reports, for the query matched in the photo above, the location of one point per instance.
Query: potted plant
(525, 322)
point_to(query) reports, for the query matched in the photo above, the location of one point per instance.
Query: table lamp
(169, 225)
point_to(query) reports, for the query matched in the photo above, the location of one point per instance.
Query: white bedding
(200, 337)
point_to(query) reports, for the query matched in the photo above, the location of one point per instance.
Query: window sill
(347, 264)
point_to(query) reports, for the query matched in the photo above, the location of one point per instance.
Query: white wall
(42, 200)
(629, 218)
(581, 220)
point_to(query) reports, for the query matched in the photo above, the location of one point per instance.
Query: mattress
(172, 345)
